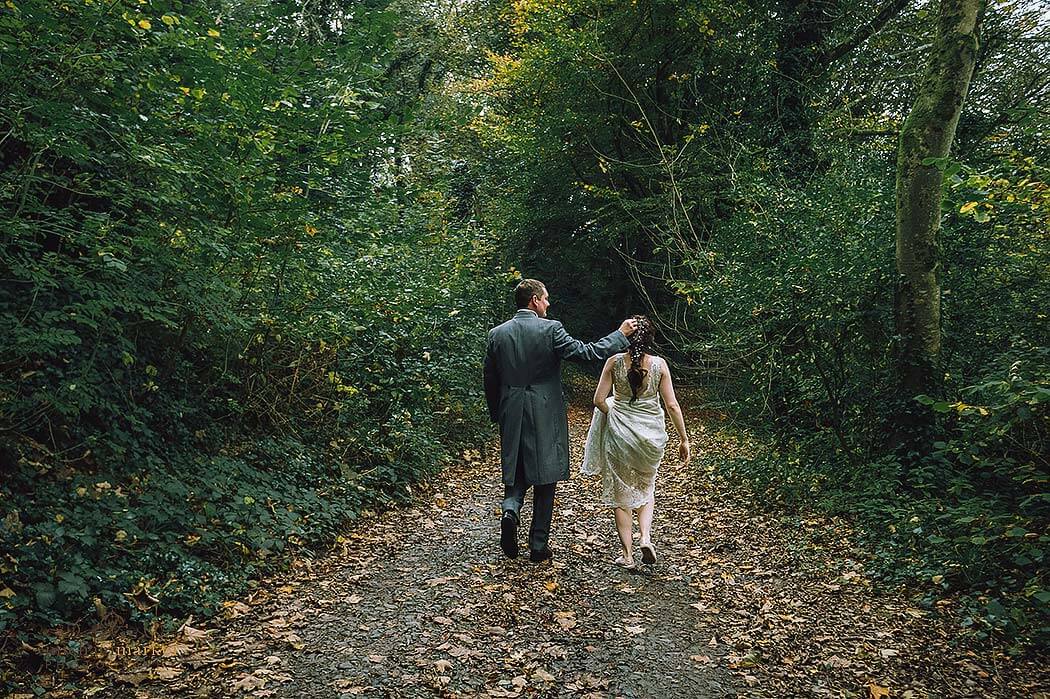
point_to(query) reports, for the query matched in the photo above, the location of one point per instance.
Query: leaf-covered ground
(420, 602)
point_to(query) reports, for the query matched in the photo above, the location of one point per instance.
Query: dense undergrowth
(967, 521)
(231, 319)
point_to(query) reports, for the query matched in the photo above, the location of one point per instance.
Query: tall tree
(925, 142)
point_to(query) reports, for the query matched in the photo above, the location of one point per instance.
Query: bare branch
(891, 9)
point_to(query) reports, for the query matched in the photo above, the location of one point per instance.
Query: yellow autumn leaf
(213, 33)
(7, 593)
(878, 692)
(144, 23)
(310, 230)
(968, 207)
(169, 20)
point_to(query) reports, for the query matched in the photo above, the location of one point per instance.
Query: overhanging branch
(888, 11)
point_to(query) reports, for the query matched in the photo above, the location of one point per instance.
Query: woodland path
(421, 603)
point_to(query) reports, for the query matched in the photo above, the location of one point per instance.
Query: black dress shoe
(540, 556)
(508, 534)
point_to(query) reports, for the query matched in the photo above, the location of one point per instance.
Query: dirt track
(422, 603)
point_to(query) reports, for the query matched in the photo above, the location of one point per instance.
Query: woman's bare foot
(625, 561)
(648, 552)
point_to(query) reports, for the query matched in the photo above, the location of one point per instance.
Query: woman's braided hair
(641, 344)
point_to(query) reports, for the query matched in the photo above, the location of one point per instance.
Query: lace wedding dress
(626, 446)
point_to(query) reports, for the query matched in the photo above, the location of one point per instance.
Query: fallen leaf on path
(194, 635)
(233, 609)
(134, 678)
(543, 675)
(174, 649)
(249, 682)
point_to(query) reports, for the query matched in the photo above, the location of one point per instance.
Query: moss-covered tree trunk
(925, 141)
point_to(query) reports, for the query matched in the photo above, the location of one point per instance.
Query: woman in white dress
(626, 440)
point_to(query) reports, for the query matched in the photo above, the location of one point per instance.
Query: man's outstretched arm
(572, 349)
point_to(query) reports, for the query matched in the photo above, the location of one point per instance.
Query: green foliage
(735, 165)
(792, 300)
(242, 287)
(970, 519)
(188, 531)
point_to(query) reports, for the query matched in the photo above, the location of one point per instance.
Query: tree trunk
(803, 30)
(925, 141)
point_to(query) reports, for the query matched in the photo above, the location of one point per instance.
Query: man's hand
(629, 326)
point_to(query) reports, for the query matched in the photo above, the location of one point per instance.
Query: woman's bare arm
(604, 386)
(675, 410)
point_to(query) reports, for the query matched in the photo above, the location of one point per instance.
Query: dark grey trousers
(542, 506)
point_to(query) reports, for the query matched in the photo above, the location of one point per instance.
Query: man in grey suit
(524, 394)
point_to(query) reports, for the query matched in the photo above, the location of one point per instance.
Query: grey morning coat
(523, 389)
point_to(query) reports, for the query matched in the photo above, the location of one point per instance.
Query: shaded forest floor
(420, 602)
